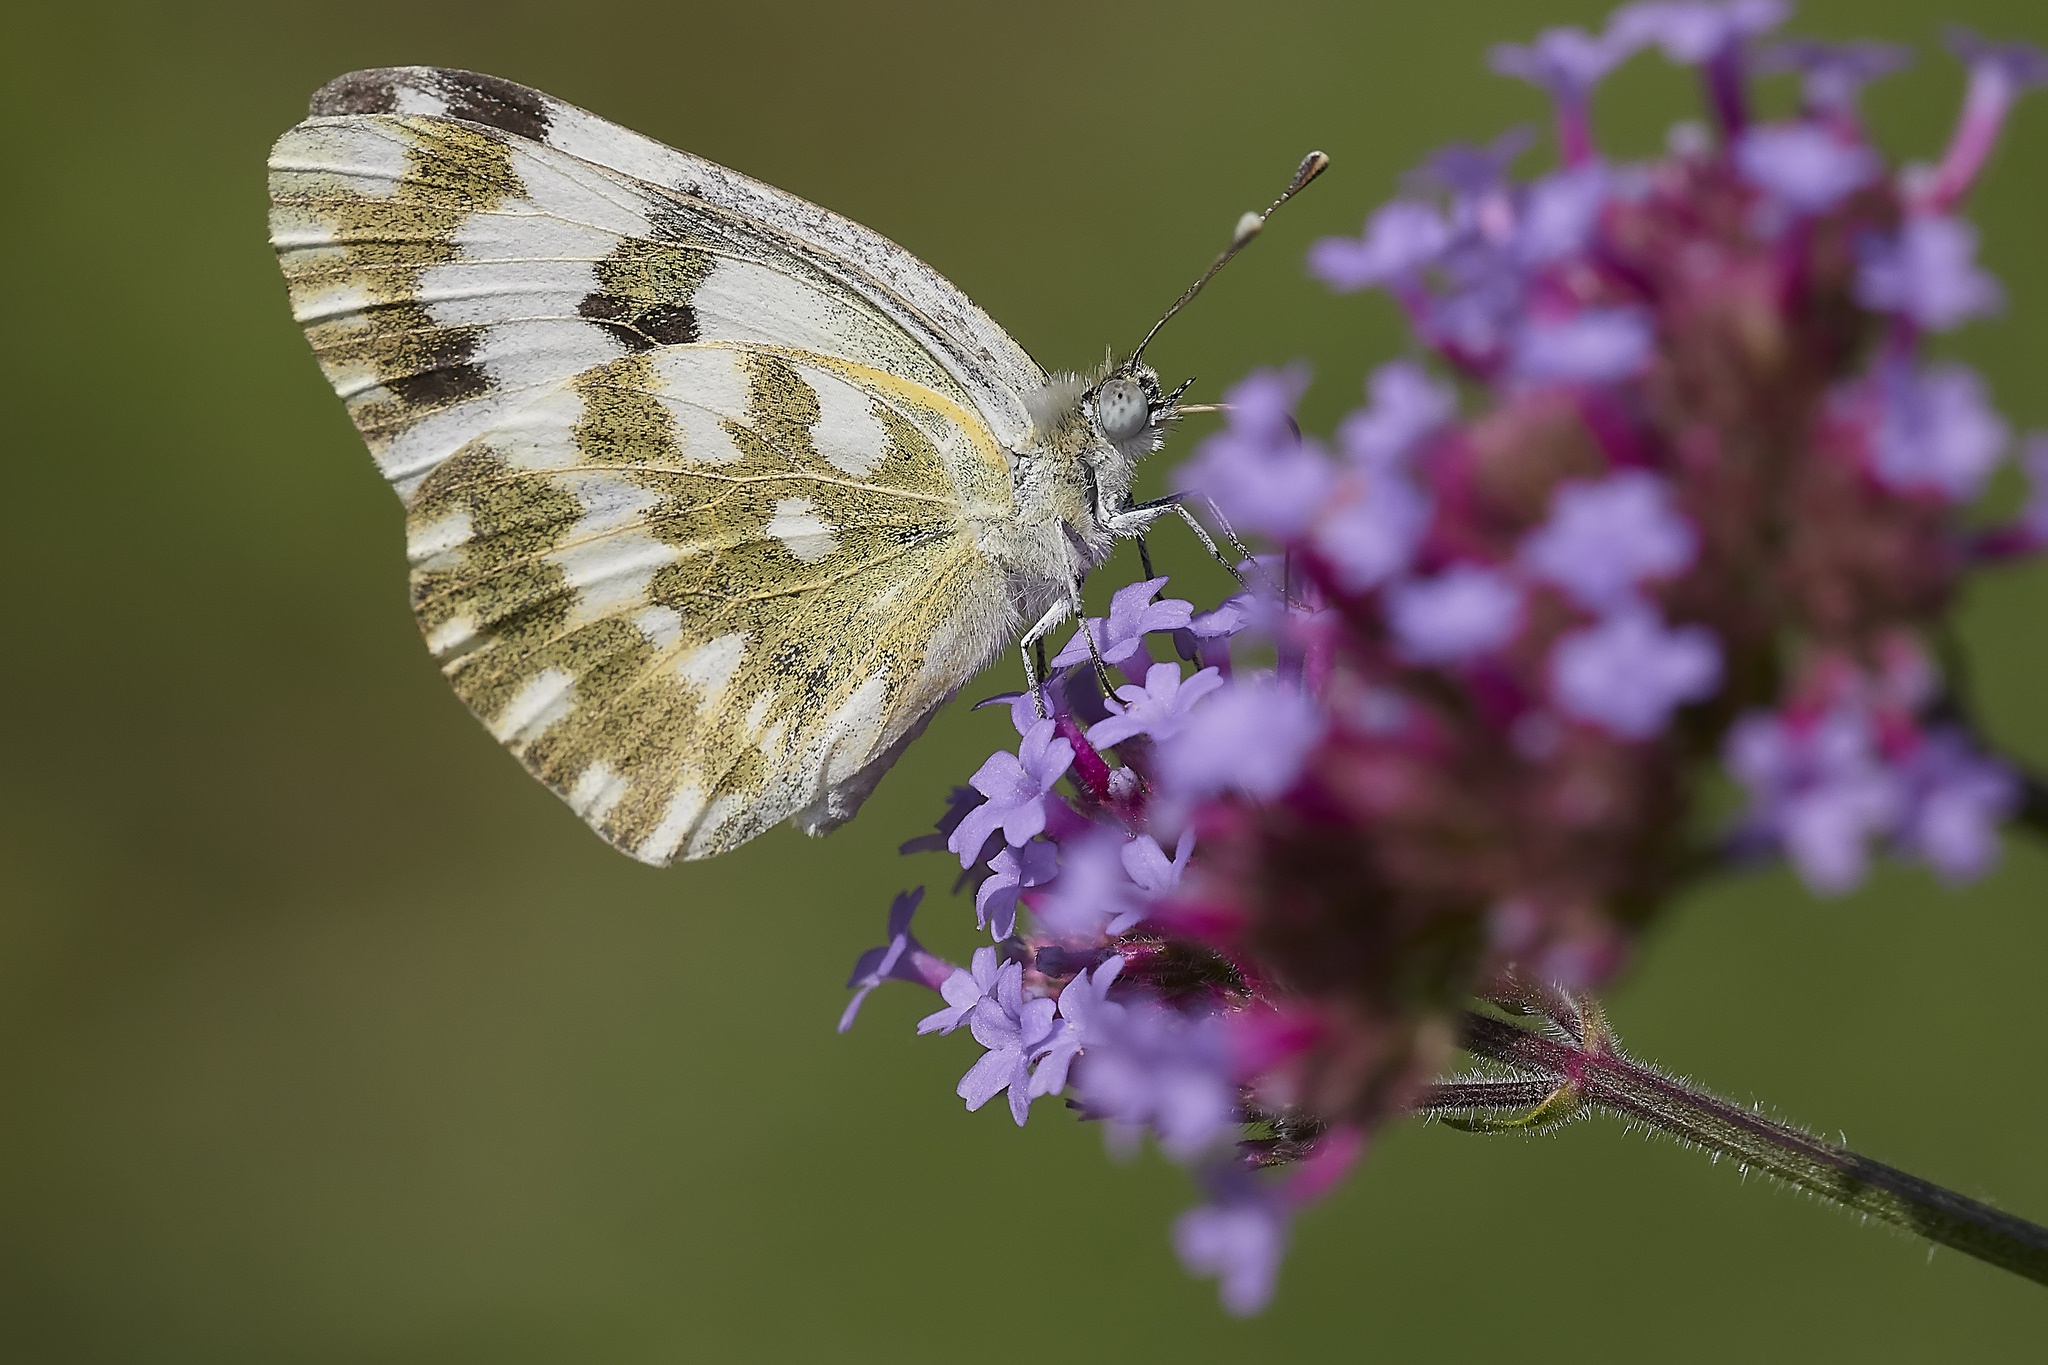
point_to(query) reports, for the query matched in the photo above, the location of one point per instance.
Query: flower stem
(1577, 1057)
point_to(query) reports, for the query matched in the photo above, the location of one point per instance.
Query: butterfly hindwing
(691, 503)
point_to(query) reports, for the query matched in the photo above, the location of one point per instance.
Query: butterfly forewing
(690, 503)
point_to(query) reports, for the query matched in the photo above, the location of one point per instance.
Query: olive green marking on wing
(355, 290)
(644, 293)
(687, 652)
(623, 422)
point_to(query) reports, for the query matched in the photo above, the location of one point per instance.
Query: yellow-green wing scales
(688, 647)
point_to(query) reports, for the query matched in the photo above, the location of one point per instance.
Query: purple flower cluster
(1711, 510)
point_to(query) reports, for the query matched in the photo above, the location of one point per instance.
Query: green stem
(1583, 1067)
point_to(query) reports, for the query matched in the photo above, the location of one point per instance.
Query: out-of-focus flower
(1250, 737)
(1806, 168)
(1628, 673)
(1456, 616)
(1690, 32)
(1937, 432)
(1929, 275)
(1400, 241)
(1834, 73)
(1604, 539)
(1239, 1238)
(1596, 346)
(1258, 469)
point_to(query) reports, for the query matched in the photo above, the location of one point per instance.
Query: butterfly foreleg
(1138, 518)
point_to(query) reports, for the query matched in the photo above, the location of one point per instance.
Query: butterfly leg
(1033, 649)
(1136, 519)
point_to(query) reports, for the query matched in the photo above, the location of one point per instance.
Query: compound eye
(1122, 409)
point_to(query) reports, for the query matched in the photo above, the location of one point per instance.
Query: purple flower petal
(1240, 1239)
(1805, 167)
(1694, 31)
(1159, 708)
(1630, 672)
(1929, 274)
(1406, 406)
(1565, 62)
(1936, 432)
(1258, 469)
(1560, 213)
(1604, 539)
(902, 958)
(1400, 240)
(1015, 869)
(1132, 615)
(1596, 346)
(1835, 73)
(1462, 613)
(1251, 736)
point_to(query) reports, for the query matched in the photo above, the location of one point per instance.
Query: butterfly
(712, 496)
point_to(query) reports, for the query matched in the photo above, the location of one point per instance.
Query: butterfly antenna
(1248, 227)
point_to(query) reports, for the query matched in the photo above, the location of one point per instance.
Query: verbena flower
(1705, 507)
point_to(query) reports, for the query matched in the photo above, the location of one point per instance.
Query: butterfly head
(1130, 410)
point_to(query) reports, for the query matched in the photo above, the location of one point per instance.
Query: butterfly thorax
(1087, 439)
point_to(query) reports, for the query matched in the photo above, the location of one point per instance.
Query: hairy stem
(1573, 1069)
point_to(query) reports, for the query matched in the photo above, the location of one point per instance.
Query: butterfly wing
(693, 470)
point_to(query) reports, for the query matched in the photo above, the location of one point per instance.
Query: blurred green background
(326, 1035)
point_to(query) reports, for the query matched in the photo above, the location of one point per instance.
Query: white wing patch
(797, 526)
(847, 434)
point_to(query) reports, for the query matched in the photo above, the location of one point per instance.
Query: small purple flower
(1401, 240)
(1560, 213)
(1471, 174)
(1149, 867)
(1015, 869)
(1462, 613)
(1595, 346)
(1955, 800)
(1086, 1012)
(1016, 1033)
(1999, 74)
(1628, 673)
(1691, 32)
(1016, 786)
(1258, 469)
(1132, 615)
(1160, 1069)
(1093, 891)
(1834, 73)
(1159, 708)
(902, 958)
(1820, 790)
(1603, 539)
(1937, 432)
(1251, 736)
(962, 991)
(1406, 407)
(1805, 167)
(1565, 62)
(1372, 529)
(1240, 1238)
(1929, 274)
